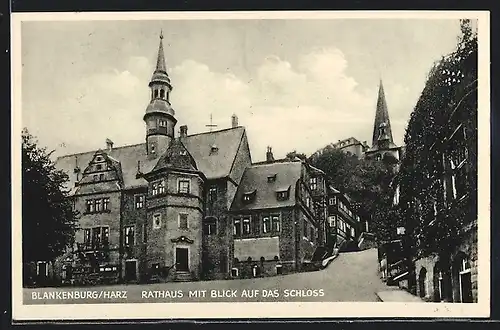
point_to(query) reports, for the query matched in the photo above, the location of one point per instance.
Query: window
(95, 177)
(306, 231)
(214, 149)
(313, 183)
(210, 226)
(158, 188)
(275, 224)
(183, 221)
(282, 195)
(184, 186)
(271, 178)
(237, 228)
(212, 194)
(162, 93)
(157, 221)
(105, 237)
(90, 206)
(234, 272)
(279, 269)
(105, 204)
(101, 177)
(162, 123)
(86, 237)
(98, 167)
(308, 202)
(98, 205)
(331, 220)
(155, 93)
(248, 197)
(246, 226)
(265, 225)
(139, 201)
(312, 233)
(129, 235)
(96, 237)
(353, 232)
(332, 201)
(153, 149)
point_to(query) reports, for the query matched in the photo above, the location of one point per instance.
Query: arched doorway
(422, 282)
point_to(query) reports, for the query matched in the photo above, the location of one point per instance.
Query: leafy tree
(365, 181)
(449, 98)
(48, 219)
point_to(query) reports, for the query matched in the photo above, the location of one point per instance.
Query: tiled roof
(216, 164)
(255, 179)
(176, 157)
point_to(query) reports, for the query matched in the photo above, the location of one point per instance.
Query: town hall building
(189, 207)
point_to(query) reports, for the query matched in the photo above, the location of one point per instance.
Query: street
(350, 277)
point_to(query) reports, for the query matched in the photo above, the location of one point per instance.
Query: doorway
(182, 259)
(130, 270)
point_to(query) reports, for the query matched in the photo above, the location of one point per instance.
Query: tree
(48, 219)
(449, 93)
(365, 181)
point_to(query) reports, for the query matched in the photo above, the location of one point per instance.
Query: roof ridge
(95, 150)
(221, 130)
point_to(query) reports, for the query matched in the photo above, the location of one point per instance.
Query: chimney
(109, 144)
(234, 121)
(269, 155)
(184, 131)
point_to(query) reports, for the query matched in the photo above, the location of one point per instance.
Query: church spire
(381, 118)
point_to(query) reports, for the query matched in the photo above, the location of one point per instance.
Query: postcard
(193, 165)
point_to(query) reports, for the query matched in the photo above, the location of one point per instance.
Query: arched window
(162, 93)
(156, 93)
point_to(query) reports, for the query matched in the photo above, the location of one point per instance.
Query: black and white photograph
(313, 164)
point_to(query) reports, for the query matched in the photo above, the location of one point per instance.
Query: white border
(253, 310)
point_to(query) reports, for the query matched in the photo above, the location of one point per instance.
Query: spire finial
(161, 33)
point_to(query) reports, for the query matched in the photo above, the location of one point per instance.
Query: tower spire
(381, 117)
(160, 61)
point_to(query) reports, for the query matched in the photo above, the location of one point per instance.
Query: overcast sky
(294, 84)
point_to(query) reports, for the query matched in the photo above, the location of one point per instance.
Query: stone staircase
(180, 276)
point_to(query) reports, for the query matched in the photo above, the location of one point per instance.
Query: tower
(382, 140)
(382, 118)
(160, 116)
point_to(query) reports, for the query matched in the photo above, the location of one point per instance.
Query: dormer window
(271, 178)
(99, 167)
(214, 149)
(283, 194)
(249, 196)
(162, 123)
(183, 153)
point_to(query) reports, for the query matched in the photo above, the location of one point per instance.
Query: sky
(295, 84)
